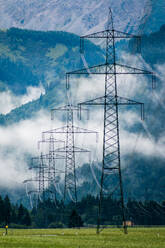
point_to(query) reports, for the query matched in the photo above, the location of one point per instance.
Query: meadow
(83, 238)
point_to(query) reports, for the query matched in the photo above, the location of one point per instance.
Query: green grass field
(83, 238)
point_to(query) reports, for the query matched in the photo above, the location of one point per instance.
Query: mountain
(80, 17)
(30, 58)
(155, 16)
(152, 47)
(153, 59)
(140, 178)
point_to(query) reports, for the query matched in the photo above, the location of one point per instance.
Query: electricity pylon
(111, 162)
(37, 163)
(40, 166)
(69, 149)
(53, 172)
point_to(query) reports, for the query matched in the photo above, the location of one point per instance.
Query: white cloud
(13, 169)
(82, 89)
(142, 144)
(17, 140)
(22, 137)
(10, 101)
(134, 87)
(160, 71)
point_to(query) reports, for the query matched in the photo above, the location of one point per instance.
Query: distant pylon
(52, 171)
(40, 167)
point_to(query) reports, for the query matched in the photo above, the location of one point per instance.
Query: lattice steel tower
(70, 149)
(39, 166)
(111, 146)
(52, 170)
(45, 175)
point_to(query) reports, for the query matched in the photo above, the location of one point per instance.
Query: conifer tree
(7, 210)
(1, 210)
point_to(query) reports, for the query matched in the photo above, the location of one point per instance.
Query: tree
(75, 220)
(14, 215)
(21, 213)
(1, 210)
(26, 219)
(7, 210)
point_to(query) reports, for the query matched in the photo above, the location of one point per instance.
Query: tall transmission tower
(111, 163)
(70, 187)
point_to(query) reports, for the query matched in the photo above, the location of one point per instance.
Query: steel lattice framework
(110, 101)
(40, 166)
(70, 187)
(45, 175)
(52, 157)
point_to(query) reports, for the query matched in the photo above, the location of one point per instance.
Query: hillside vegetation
(33, 58)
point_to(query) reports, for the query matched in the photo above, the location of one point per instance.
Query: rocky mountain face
(79, 17)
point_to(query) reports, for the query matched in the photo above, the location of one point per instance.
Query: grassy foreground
(83, 238)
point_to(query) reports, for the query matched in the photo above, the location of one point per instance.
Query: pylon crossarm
(52, 140)
(65, 130)
(56, 130)
(48, 156)
(97, 69)
(100, 34)
(110, 101)
(46, 167)
(124, 35)
(125, 69)
(83, 130)
(110, 33)
(68, 108)
(49, 140)
(54, 156)
(76, 149)
(126, 101)
(113, 101)
(36, 180)
(37, 167)
(108, 68)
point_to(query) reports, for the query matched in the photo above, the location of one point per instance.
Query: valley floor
(83, 238)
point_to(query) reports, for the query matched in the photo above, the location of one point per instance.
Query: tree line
(56, 214)
(13, 214)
